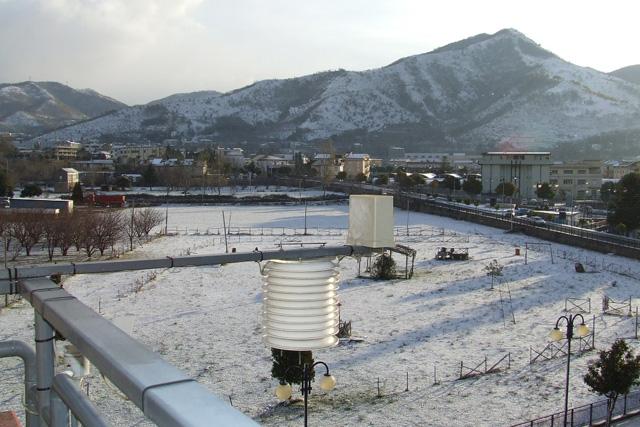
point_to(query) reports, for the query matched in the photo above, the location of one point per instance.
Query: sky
(140, 50)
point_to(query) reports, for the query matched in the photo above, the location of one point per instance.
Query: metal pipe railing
(10, 275)
(28, 356)
(45, 365)
(73, 399)
(165, 395)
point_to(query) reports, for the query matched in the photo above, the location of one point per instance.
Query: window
(582, 182)
(568, 171)
(582, 171)
(553, 172)
(553, 181)
(594, 170)
(567, 181)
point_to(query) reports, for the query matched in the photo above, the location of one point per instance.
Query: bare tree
(146, 219)
(107, 229)
(50, 233)
(28, 229)
(67, 225)
(85, 238)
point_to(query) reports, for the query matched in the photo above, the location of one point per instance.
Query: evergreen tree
(544, 191)
(76, 194)
(6, 190)
(607, 190)
(506, 188)
(614, 373)
(150, 176)
(626, 202)
(31, 190)
(283, 360)
(472, 186)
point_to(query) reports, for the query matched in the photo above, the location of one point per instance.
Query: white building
(578, 180)
(524, 169)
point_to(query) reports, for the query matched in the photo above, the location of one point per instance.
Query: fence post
(485, 364)
(407, 388)
(590, 413)
(624, 409)
(461, 369)
(571, 417)
(636, 335)
(379, 387)
(593, 333)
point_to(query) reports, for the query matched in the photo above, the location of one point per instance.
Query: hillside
(630, 73)
(37, 107)
(470, 94)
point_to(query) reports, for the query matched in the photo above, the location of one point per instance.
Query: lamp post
(556, 335)
(327, 383)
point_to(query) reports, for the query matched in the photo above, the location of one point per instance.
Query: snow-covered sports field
(207, 321)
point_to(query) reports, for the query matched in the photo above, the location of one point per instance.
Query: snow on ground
(206, 321)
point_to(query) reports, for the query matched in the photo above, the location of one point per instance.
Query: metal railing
(587, 415)
(166, 395)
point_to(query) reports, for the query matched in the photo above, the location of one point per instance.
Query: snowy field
(207, 322)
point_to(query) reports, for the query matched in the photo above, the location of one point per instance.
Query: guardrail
(165, 395)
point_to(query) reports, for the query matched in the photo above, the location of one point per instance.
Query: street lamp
(327, 383)
(556, 335)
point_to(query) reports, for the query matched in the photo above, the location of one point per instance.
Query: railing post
(44, 335)
(590, 413)
(59, 412)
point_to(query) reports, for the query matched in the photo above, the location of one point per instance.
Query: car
(536, 220)
(522, 211)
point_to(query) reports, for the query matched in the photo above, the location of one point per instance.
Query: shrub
(384, 267)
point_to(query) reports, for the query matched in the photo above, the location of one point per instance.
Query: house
(65, 180)
(268, 163)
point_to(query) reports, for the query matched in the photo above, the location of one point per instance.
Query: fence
(482, 368)
(587, 415)
(578, 305)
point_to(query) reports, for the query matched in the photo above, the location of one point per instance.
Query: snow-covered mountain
(471, 93)
(36, 107)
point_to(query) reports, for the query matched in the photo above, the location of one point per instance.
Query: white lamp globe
(583, 330)
(328, 382)
(283, 392)
(556, 335)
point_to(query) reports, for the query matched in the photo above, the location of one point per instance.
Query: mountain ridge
(34, 107)
(471, 93)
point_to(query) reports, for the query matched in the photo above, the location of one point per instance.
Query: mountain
(470, 94)
(37, 107)
(630, 73)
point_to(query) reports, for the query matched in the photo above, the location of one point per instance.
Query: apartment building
(578, 180)
(356, 164)
(138, 153)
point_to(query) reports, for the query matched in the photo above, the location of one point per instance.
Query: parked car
(536, 220)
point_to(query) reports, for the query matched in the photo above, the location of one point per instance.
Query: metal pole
(566, 388)
(305, 217)
(306, 385)
(44, 335)
(81, 407)
(59, 412)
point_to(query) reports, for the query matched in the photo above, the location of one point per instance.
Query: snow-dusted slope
(484, 88)
(35, 107)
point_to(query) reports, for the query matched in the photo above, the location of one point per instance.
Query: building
(233, 156)
(327, 165)
(524, 169)
(137, 153)
(268, 163)
(617, 169)
(356, 164)
(65, 180)
(67, 150)
(578, 180)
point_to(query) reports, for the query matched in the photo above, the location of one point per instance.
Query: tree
(506, 189)
(472, 186)
(341, 176)
(6, 190)
(625, 203)
(607, 190)
(613, 374)
(494, 269)
(283, 359)
(417, 179)
(384, 267)
(123, 182)
(382, 180)
(31, 190)
(76, 194)
(149, 176)
(451, 182)
(544, 191)
(361, 177)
